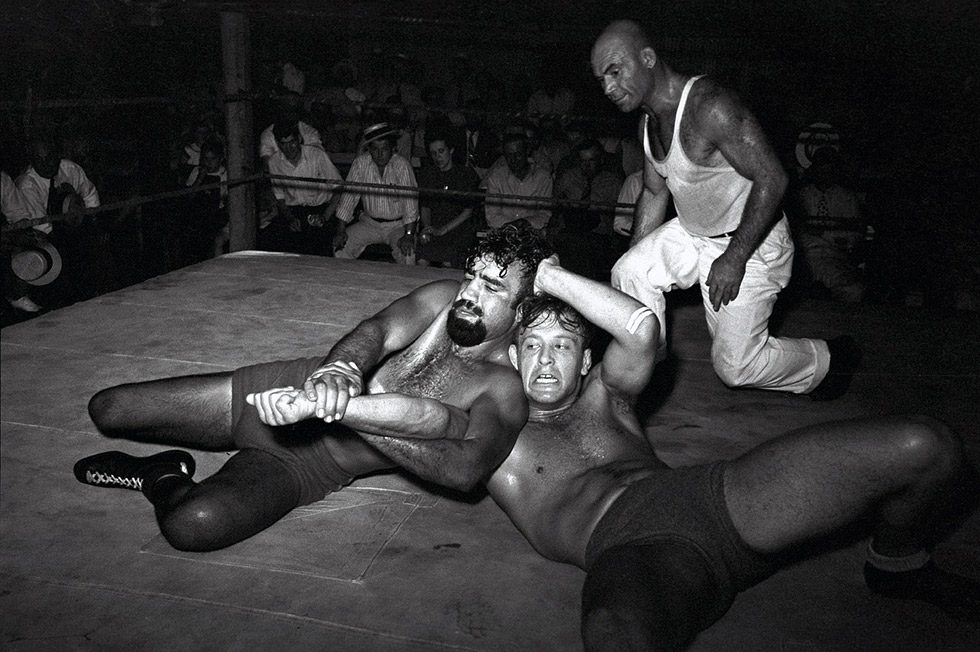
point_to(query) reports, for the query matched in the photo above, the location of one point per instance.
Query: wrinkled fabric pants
(367, 231)
(743, 353)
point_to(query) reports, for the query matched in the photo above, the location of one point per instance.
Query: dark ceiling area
(876, 67)
(939, 28)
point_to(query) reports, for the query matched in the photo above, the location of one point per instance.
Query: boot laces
(99, 478)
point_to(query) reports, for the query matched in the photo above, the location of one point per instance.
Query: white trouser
(367, 231)
(743, 353)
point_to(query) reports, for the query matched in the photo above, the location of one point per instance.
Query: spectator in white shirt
(13, 209)
(53, 185)
(49, 172)
(303, 207)
(206, 229)
(288, 112)
(518, 177)
(386, 216)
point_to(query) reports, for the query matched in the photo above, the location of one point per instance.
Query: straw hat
(378, 131)
(36, 264)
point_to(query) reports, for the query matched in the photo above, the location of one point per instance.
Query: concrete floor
(391, 564)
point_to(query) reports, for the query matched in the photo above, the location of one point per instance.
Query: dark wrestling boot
(957, 595)
(845, 358)
(118, 470)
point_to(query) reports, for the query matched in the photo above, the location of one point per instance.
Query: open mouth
(545, 379)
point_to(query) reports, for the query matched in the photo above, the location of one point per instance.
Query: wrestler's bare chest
(585, 437)
(562, 475)
(433, 368)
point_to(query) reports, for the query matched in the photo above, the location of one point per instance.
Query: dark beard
(463, 332)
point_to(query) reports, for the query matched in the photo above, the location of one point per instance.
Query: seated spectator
(628, 194)
(386, 216)
(463, 90)
(539, 157)
(51, 180)
(205, 232)
(448, 226)
(553, 99)
(14, 209)
(618, 138)
(476, 146)
(431, 115)
(554, 146)
(590, 180)
(190, 155)
(575, 134)
(290, 78)
(584, 238)
(832, 228)
(408, 71)
(517, 177)
(396, 115)
(303, 207)
(52, 186)
(267, 139)
(341, 95)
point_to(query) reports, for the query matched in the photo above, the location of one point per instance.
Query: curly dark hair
(539, 308)
(515, 241)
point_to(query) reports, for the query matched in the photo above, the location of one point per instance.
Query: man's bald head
(626, 32)
(624, 62)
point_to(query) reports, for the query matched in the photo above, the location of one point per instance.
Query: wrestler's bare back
(566, 470)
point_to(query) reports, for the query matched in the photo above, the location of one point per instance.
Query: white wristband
(637, 318)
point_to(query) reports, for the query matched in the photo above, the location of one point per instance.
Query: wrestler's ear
(648, 57)
(586, 362)
(512, 354)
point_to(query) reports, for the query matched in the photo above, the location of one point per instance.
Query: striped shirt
(381, 204)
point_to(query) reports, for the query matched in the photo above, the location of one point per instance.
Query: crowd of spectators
(426, 168)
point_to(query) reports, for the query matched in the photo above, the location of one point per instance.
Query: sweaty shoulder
(717, 111)
(437, 292)
(502, 380)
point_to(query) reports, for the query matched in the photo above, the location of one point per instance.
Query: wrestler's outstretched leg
(250, 492)
(192, 411)
(651, 596)
(814, 481)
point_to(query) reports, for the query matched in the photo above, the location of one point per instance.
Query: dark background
(898, 80)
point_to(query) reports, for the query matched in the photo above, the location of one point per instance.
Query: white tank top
(709, 200)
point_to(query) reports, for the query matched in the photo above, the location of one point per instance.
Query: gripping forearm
(402, 416)
(450, 463)
(604, 306)
(421, 435)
